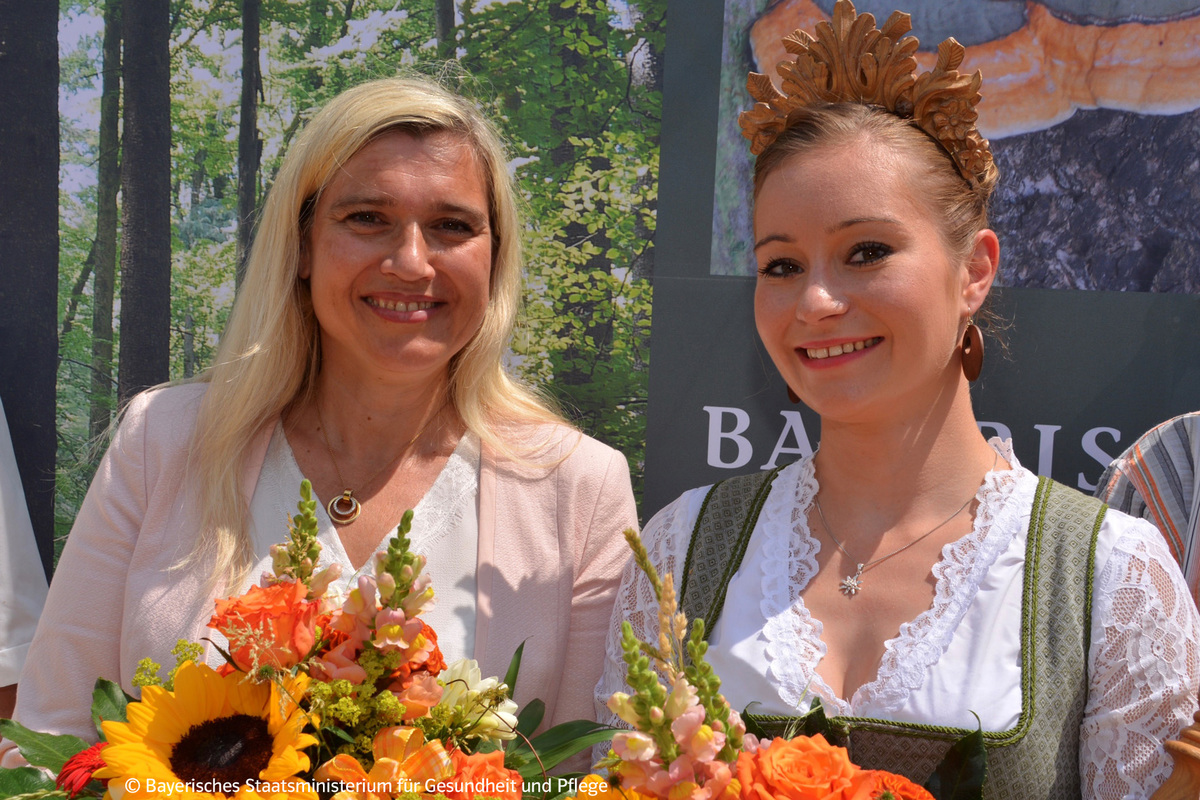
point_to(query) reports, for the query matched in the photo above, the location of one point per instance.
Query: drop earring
(972, 351)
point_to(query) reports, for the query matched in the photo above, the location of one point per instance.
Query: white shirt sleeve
(22, 580)
(1144, 663)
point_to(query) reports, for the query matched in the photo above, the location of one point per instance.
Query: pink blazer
(550, 558)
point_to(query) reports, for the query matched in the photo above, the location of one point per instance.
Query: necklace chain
(345, 507)
(852, 584)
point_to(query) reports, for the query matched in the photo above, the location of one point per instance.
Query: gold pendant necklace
(345, 508)
(852, 584)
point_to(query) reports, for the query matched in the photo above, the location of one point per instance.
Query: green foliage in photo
(575, 86)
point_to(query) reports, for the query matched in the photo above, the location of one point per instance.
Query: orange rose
(889, 786)
(804, 768)
(273, 626)
(482, 775)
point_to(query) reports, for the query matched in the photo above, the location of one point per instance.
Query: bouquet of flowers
(686, 741)
(320, 696)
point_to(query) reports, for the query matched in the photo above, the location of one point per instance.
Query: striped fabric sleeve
(1156, 479)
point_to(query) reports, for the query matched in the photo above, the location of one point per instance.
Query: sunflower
(213, 737)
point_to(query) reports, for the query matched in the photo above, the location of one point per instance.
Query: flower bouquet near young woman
(321, 696)
(686, 743)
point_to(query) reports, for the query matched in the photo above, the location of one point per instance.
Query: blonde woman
(363, 353)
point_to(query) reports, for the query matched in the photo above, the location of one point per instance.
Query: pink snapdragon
(621, 704)
(635, 746)
(694, 737)
(360, 603)
(393, 631)
(422, 694)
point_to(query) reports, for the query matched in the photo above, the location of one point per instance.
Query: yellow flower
(213, 737)
(404, 761)
(597, 788)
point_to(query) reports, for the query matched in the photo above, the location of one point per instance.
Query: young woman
(912, 576)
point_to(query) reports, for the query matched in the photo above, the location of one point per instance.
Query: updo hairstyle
(960, 207)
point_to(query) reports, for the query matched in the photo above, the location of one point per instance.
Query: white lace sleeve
(1145, 665)
(666, 537)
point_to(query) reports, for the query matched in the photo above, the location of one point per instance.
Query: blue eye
(869, 252)
(780, 267)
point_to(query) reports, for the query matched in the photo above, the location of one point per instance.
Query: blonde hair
(270, 353)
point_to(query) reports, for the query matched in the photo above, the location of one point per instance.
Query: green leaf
(27, 781)
(963, 771)
(108, 704)
(339, 733)
(815, 720)
(530, 717)
(514, 666)
(563, 741)
(41, 749)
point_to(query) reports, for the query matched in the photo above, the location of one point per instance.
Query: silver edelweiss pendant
(852, 584)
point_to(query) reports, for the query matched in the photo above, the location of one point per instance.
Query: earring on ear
(972, 350)
(795, 398)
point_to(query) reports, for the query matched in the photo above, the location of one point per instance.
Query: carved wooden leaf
(761, 88)
(843, 17)
(950, 55)
(898, 24)
(797, 42)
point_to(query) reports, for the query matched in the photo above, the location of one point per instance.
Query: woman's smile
(403, 310)
(837, 352)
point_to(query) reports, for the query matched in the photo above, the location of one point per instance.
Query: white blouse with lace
(963, 653)
(445, 529)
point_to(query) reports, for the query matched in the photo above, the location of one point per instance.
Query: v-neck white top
(961, 655)
(445, 529)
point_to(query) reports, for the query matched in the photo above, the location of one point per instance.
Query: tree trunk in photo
(445, 29)
(249, 143)
(189, 345)
(593, 343)
(105, 249)
(145, 199)
(29, 249)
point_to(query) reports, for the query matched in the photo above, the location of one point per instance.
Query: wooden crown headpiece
(852, 61)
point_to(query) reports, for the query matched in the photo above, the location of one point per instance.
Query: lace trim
(793, 638)
(666, 537)
(1145, 668)
(922, 642)
(451, 497)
